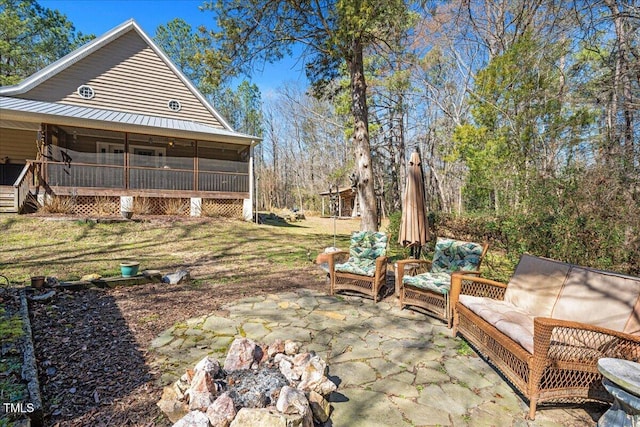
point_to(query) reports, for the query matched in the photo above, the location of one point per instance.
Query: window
(174, 105)
(110, 153)
(143, 156)
(86, 92)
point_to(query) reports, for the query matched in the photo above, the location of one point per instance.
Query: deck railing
(21, 186)
(68, 168)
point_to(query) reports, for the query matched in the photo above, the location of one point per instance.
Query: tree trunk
(362, 149)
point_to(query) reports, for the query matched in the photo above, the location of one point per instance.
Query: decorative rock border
(30, 367)
(275, 384)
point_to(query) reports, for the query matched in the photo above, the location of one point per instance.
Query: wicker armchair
(366, 269)
(430, 290)
(547, 328)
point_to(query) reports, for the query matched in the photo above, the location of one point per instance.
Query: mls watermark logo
(18, 408)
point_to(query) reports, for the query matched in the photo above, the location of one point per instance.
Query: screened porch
(78, 158)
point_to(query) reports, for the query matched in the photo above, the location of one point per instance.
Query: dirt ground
(91, 345)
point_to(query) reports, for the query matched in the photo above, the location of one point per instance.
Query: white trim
(79, 91)
(171, 101)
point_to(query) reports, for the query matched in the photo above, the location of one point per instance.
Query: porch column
(196, 206)
(126, 160)
(247, 204)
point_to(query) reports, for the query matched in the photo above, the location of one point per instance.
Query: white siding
(126, 75)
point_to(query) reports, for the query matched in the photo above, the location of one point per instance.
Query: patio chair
(430, 290)
(366, 269)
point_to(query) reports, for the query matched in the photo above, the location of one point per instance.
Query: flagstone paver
(394, 367)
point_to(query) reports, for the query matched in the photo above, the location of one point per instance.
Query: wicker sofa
(546, 329)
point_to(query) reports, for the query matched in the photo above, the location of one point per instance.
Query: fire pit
(257, 385)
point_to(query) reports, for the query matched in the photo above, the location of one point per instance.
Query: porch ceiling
(72, 115)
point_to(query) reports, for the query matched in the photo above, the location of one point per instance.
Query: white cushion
(512, 321)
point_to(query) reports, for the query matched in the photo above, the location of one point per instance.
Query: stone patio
(393, 367)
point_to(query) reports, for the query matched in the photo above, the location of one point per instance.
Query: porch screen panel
(61, 154)
(227, 182)
(223, 175)
(214, 165)
(160, 179)
(155, 171)
(74, 175)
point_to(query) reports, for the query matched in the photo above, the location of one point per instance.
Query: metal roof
(26, 110)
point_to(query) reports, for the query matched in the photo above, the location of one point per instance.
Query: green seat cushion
(439, 282)
(454, 255)
(362, 267)
(364, 248)
(367, 245)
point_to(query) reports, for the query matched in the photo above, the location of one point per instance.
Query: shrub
(58, 205)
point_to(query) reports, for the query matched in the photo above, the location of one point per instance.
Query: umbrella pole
(333, 200)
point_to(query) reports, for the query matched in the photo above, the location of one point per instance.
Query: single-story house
(116, 124)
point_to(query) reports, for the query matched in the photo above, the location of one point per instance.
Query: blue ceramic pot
(129, 269)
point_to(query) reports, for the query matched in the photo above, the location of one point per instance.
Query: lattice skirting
(229, 208)
(94, 205)
(110, 205)
(161, 206)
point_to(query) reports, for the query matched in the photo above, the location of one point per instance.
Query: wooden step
(7, 199)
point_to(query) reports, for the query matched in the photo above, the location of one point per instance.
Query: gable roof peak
(96, 44)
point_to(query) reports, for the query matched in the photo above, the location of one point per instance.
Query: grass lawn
(211, 248)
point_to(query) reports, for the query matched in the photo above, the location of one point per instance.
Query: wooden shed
(346, 200)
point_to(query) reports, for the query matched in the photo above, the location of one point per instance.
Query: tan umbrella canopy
(413, 228)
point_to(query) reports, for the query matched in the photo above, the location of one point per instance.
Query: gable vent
(86, 92)
(174, 105)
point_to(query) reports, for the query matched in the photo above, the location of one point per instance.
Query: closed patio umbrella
(414, 230)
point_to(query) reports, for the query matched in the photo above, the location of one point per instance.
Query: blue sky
(99, 16)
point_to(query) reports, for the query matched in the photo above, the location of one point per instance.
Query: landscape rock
(43, 297)
(276, 347)
(222, 411)
(193, 419)
(292, 401)
(286, 367)
(243, 352)
(313, 374)
(202, 391)
(172, 407)
(291, 347)
(209, 365)
(326, 387)
(264, 417)
(177, 277)
(320, 407)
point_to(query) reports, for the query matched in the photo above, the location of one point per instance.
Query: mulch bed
(13, 389)
(91, 345)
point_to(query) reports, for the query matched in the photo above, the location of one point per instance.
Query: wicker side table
(621, 378)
